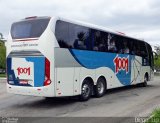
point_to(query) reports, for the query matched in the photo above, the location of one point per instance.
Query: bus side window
(125, 46)
(61, 33)
(137, 46)
(100, 41)
(112, 43)
(79, 37)
(143, 50)
(133, 47)
(150, 55)
(97, 38)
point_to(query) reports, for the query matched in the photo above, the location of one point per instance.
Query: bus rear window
(29, 28)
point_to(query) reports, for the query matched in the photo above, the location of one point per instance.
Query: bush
(2, 55)
(155, 117)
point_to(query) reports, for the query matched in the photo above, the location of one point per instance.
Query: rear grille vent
(25, 53)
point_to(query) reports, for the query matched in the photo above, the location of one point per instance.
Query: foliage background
(2, 53)
(157, 61)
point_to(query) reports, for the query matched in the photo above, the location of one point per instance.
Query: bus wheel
(86, 90)
(144, 84)
(100, 87)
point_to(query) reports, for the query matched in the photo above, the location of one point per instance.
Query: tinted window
(62, 34)
(100, 41)
(132, 47)
(29, 28)
(150, 55)
(72, 36)
(112, 43)
(118, 44)
(141, 49)
(79, 37)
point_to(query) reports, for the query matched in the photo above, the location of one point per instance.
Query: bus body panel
(69, 67)
(44, 44)
(26, 71)
(66, 73)
(64, 81)
(76, 65)
(34, 91)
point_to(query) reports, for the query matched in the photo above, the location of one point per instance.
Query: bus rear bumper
(33, 91)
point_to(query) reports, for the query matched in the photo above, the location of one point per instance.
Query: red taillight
(47, 73)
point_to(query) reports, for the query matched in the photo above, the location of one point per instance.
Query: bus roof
(93, 26)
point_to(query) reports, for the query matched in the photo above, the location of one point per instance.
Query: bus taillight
(47, 73)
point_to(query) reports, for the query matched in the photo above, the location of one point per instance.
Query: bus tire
(144, 84)
(100, 88)
(86, 90)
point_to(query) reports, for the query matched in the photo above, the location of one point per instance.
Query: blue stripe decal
(93, 60)
(39, 69)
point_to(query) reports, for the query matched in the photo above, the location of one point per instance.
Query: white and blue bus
(55, 57)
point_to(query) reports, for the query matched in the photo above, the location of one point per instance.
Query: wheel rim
(100, 87)
(86, 90)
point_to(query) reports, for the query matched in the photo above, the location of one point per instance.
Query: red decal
(23, 71)
(121, 64)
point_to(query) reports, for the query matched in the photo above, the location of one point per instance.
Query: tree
(157, 49)
(157, 61)
(2, 53)
(1, 36)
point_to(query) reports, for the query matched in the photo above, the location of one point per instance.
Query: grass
(155, 117)
(2, 75)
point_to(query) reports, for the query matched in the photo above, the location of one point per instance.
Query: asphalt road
(130, 101)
